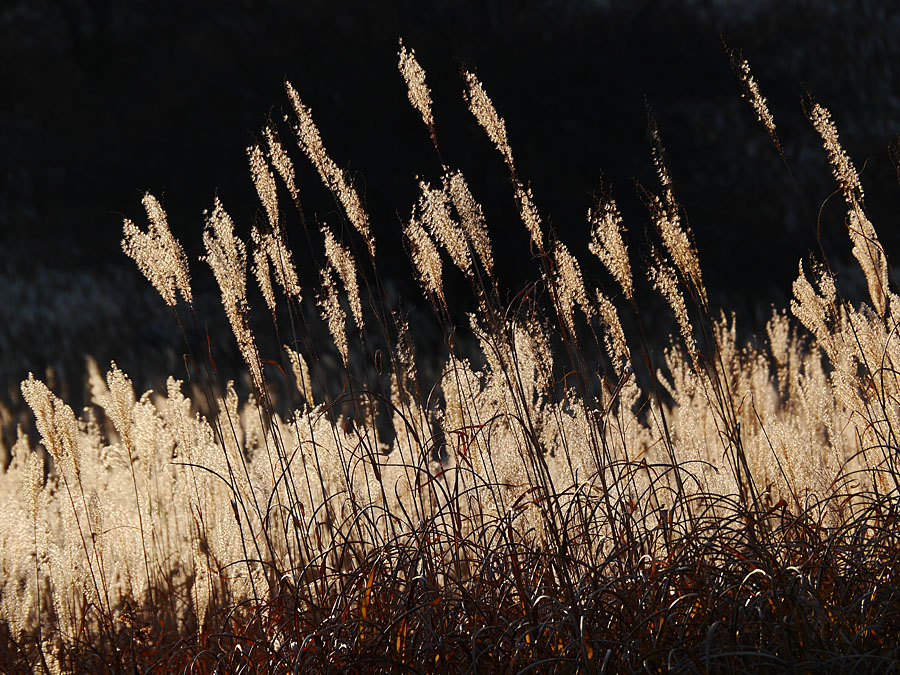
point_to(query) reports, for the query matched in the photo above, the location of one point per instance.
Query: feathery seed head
(283, 266)
(271, 246)
(752, 94)
(816, 310)
(311, 143)
(56, 423)
(608, 245)
(570, 286)
(281, 161)
(261, 268)
(614, 335)
(666, 213)
(301, 375)
(658, 155)
(533, 355)
(265, 184)
(227, 256)
(342, 260)
(426, 259)
(681, 248)
(482, 108)
(158, 255)
(333, 314)
(434, 209)
(529, 214)
(34, 472)
(119, 403)
(871, 257)
(867, 248)
(471, 217)
(841, 164)
(417, 89)
(664, 280)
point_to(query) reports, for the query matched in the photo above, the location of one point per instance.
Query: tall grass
(547, 493)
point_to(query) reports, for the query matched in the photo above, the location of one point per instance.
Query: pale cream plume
(227, 256)
(265, 184)
(667, 215)
(841, 164)
(472, 218)
(57, 425)
(342, 260)
(753, 95)
(333, 314)
(281, 161)
(665, 281)
(34, 472)
(271, 255)
(534, 357)
(261, 268)
(311, 143)
(118, 403)
(570, 285)
(481, 106)
(434, 209)
(608, 245)
(614, 335)
(158, 255)
(301, 374)
(680, 247)
(417, 89)
(406, 355)
(867, 248)
(426, 259)
(283, 265)
(870, 255)
(816, 310)
(529, 214)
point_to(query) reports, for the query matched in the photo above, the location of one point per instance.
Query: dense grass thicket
(540, 490)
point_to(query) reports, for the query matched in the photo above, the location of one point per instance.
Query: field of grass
(538, 490)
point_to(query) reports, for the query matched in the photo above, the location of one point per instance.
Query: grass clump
(546, 494)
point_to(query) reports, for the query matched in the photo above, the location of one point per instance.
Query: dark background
(103, 100)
